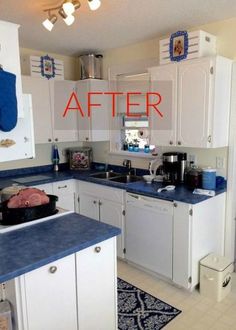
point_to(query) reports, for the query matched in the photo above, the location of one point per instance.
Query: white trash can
(215, 276)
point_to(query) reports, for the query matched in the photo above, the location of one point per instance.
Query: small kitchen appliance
(174, 164)
(80, 158)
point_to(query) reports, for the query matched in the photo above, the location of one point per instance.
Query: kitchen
(125, 59)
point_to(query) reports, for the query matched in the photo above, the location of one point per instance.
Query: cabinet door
(182, 261)
(112, 214)
(89, 206)
(22, 135)
(50, 296)
(96, 287)
(95, 127)
(10, 57)
(64, 128)
(84, 125)
(194, 103)
(164, 81)
(39, 88)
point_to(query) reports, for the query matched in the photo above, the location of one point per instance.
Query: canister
(209, 178)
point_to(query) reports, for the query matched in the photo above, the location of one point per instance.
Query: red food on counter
(28, 197)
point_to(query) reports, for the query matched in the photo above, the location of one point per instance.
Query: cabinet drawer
(63, 187)
(100, 191)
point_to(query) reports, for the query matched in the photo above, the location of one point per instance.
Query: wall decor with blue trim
(46, 67)
(178, 48)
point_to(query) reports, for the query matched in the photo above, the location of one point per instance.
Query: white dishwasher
(149, 228)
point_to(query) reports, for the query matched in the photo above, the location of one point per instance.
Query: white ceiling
(116, 23)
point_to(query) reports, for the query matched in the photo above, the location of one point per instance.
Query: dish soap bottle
(55, 158)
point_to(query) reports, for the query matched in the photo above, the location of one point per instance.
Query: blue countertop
(180, 194)
(28, 248)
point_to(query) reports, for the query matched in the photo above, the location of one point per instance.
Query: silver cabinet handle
(62, 187)
(98, 249)
(53, 269)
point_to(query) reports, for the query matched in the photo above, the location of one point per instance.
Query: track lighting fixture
(65, 10)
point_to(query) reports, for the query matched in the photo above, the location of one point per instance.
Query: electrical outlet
(219, 162)
(192, 158)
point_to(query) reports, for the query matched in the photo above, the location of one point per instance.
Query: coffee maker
(174, 164)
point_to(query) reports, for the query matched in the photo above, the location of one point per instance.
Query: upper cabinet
(39, 90)
(49, 102)
(21, 138)
(198, 114)
(10, 57)
(96, 126)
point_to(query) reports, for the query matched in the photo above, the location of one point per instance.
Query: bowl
(148, 178)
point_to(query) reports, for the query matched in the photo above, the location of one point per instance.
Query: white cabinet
(96, 286)
(22, 136)
(198, 115)
(104, 204)
(64, 128)
(39, 90)
(95, 127)
(198, 230)
(75, 292)
(10, 57)
(50, 296)
(65, 190)
(49, 101)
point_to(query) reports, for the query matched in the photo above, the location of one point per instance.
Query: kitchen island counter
(29, 248)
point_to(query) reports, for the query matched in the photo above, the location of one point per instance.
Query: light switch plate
(220, 162)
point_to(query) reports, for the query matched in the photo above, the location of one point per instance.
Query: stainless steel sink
(126, 178)
(105, 175)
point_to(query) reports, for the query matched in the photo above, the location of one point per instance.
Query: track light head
(94, 4)
(49, 22)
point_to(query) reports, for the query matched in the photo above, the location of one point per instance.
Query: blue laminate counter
(181, 193)
(26, 249)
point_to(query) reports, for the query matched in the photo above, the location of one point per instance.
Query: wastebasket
(215, 276)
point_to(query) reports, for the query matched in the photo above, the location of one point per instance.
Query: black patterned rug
(138, 310)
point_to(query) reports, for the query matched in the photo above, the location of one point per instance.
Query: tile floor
(198, 313)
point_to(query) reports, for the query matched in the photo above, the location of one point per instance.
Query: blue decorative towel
(8, 101)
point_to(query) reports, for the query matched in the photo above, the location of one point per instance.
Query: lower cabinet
(75, 292)
(104, 204)
(96, 285)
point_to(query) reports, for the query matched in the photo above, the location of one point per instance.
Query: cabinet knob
(171, 142)
(94, 202)
(209, 139)
(100, 203)
(179, 143)
(53, 269)
(175, 204)
(98, 249)
(56, 139)
(26, 139)
(49, 140)
(87, 139)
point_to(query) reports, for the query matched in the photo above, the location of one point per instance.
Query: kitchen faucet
(127, 164)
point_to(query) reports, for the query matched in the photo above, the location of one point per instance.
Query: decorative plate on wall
(46, 67)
